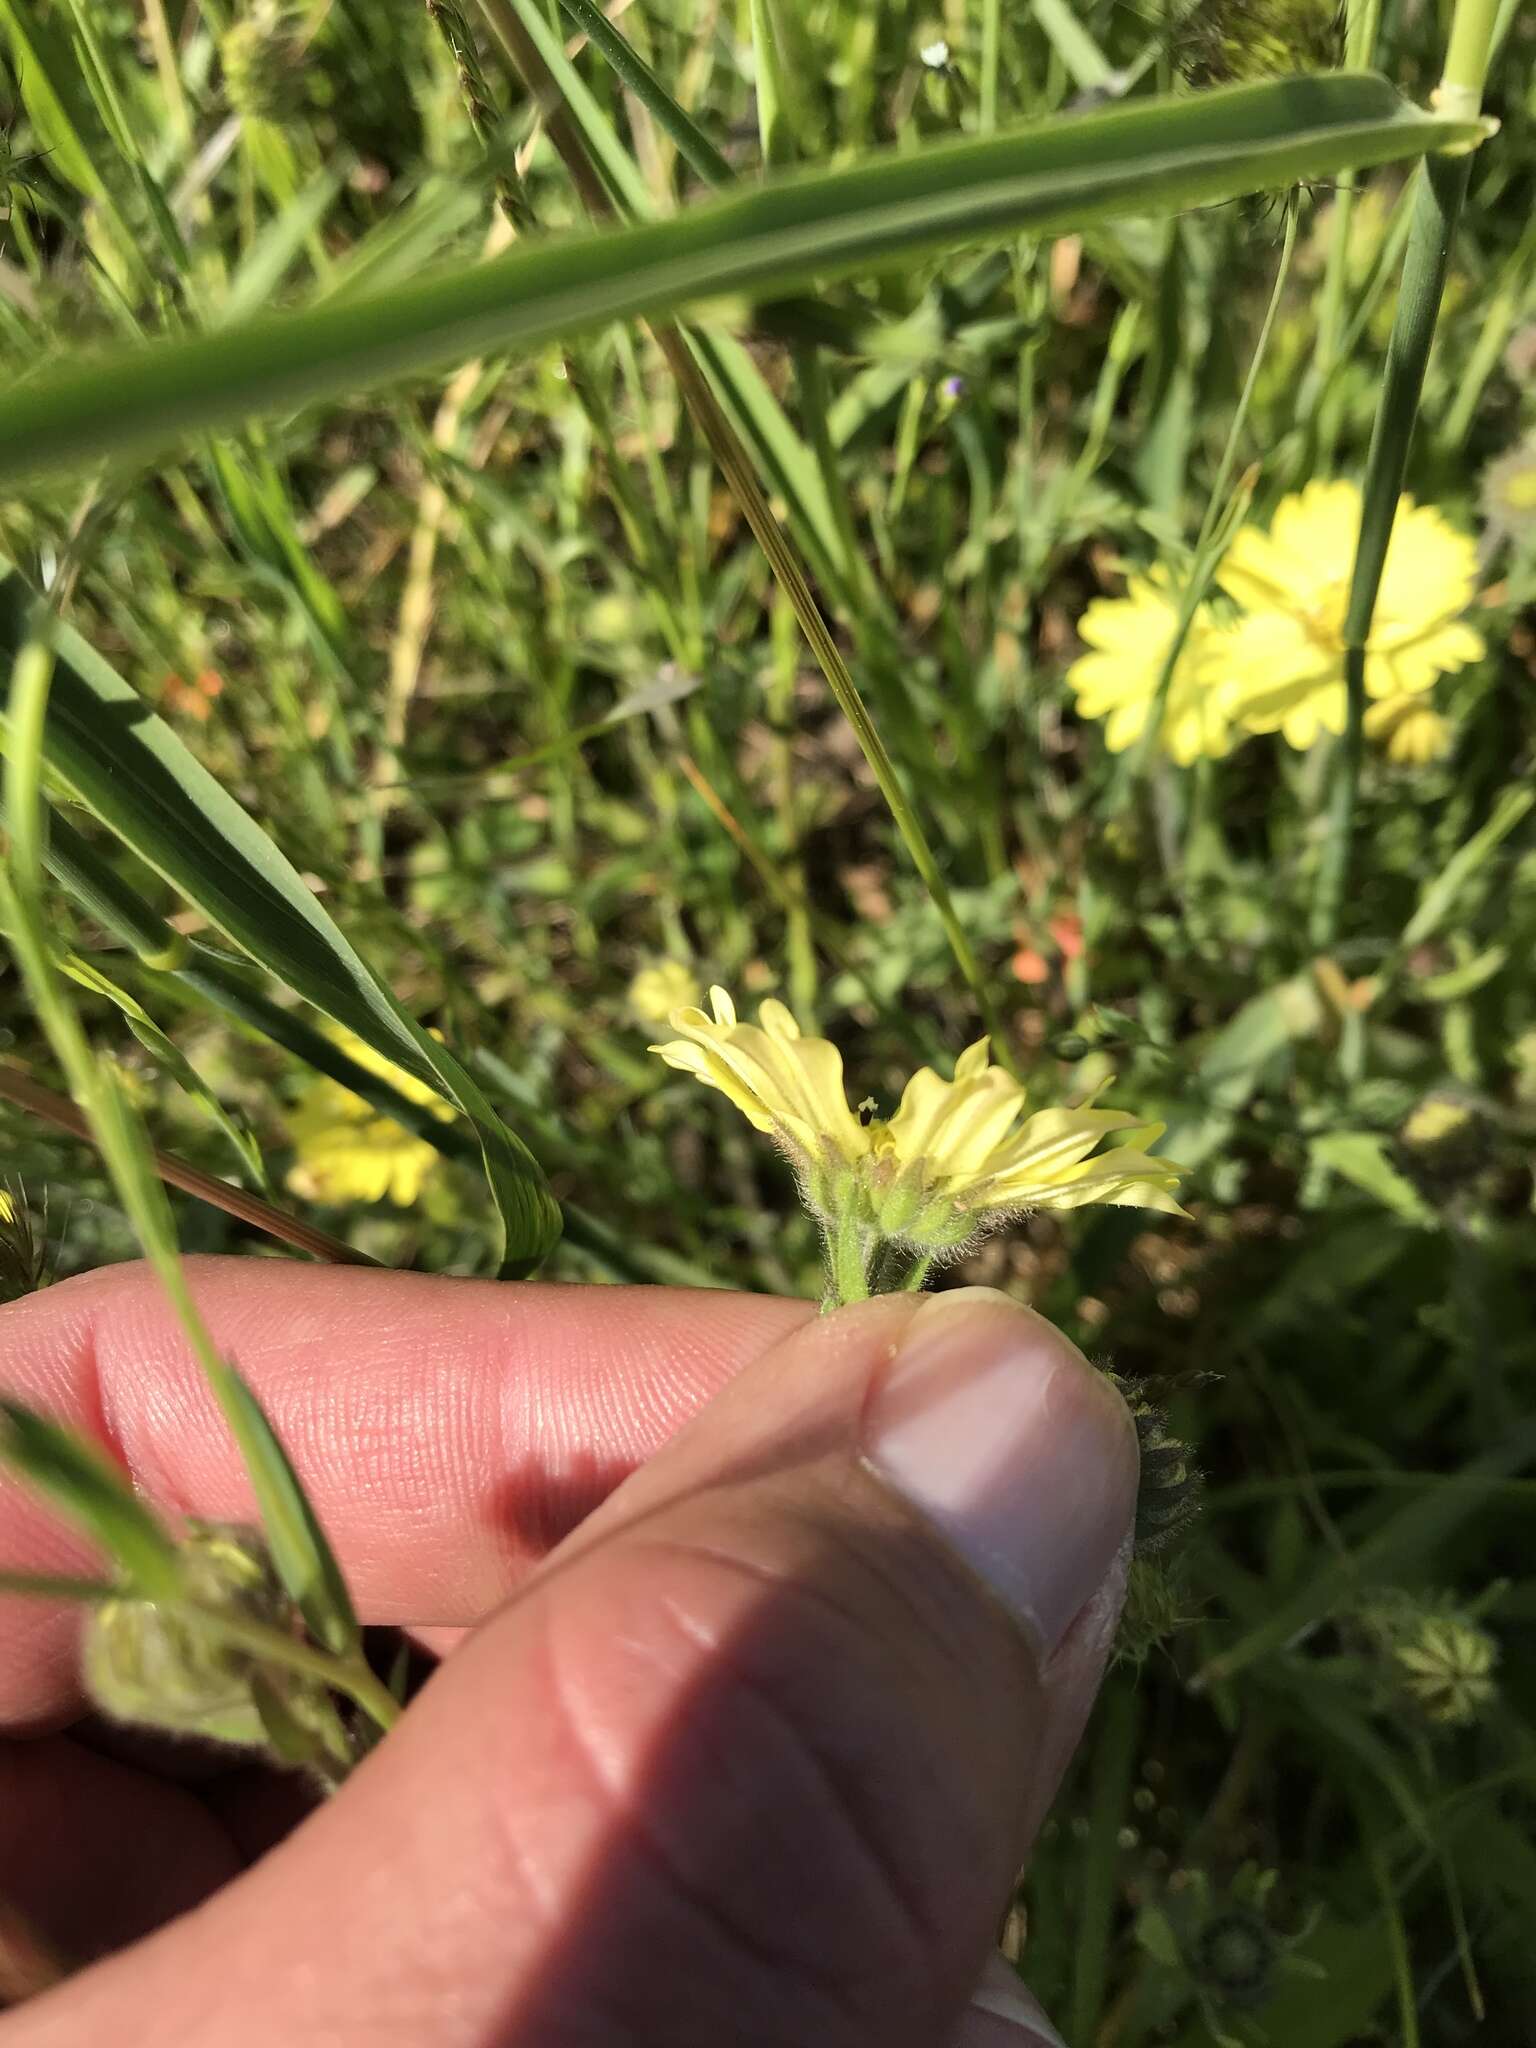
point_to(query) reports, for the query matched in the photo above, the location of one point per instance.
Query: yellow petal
(954, 1127)
(1430, 573)
(1317, 528)
(1254, 572)
(781, 1081)
(1123, 1177)
(1054, 1140)
(1119, 681)
(974, 1060)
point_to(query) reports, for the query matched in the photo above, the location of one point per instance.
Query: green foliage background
(496, 664)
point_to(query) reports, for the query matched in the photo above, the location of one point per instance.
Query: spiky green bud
(1232, 42)
(157, 1664)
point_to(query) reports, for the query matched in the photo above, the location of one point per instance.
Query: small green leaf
(175, 1064)
(1465, 978)
(1439, 899)
(1361, 1157)
(79, 1479)
(301, 1555)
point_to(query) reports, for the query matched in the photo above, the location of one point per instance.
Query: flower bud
(259, 55)
(1430, 1658)
(1232, 42)
(155, 1663)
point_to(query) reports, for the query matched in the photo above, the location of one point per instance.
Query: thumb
(754, 1758)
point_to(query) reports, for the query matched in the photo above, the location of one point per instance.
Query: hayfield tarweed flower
(957, 1156)
(1409, 728)
(345, 1150)
(1509, 495)
(1278, 666)
(1287, 654)
(1128, 640)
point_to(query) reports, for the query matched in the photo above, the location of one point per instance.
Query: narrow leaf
(82, 1482)
(1361, 1158)
(1439, 898)
(54, 1586)
(301, 1555)
(1054, 177)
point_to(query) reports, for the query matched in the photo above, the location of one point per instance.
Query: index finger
(450, 1432)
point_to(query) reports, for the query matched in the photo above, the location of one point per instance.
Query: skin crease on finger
(451, 1431)
(483, 1849)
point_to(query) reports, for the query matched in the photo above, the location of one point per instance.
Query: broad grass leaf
(1055, 176)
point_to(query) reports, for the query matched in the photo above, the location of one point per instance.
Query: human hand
(787, 1626)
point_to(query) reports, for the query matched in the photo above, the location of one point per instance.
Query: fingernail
(1001, 1433)
(1000, 1997)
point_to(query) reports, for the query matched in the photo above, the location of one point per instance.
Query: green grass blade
(1090, 69)
(56, 1586)
(301, 1555)
(1056, 176)
(1440, 895)
(87, 1487)
(129, 767)
(54, 95)
(692, 144)
(621, 174)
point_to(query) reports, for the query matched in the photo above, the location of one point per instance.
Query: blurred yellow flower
(1128, 638)
(346, 1150)
(1410, 728)
(955, 1151)
(1286, 657)
(7, 1208)
(657, 991)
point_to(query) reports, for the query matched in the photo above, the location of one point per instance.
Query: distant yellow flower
(1117, 680)
(657, 991)
(1410, 728)
(345, 1150)
(1286, 658)
(954, 1153)
(7, 1208)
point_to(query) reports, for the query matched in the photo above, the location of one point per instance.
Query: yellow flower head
(954, 1153)
(657, 991)
(1286, 658)
(969, 1142)
(1410, 728)
(1128, 639)
(345, 1150)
